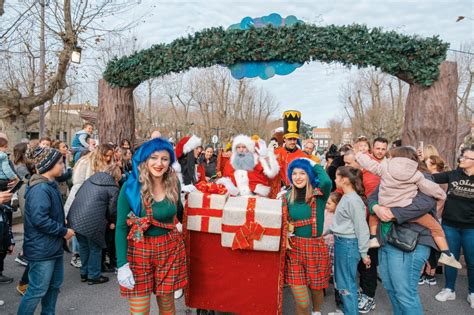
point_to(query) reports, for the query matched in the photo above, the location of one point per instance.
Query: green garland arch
(411, 58)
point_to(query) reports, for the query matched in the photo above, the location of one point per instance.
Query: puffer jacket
(82, 171)
(94, 207)
(400, 180)
(44, 222)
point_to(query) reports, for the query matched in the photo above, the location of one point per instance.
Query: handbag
(402, 238)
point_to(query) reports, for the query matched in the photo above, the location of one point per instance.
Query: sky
(314, 89)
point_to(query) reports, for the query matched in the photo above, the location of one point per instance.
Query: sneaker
(178, 294)
(76, 261)
(422, 280)
(21, 260)
(368, 306)
(99, 280)
(362, 300)
(5, 279)
(470, 299)
(431, 280)
(449, 261)
(445, 295)
(374, 243)
(21, 288)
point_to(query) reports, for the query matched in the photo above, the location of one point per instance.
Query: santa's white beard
(243, 161)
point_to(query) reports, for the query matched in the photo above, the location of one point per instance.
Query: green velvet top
(300, 210)
(163, 211)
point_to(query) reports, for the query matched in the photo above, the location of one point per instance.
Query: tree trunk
(15, 129)
(116, 117)
(431, 113)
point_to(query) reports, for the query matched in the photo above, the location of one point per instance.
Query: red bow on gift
(211, 188)
(247, 233)
(138, 226)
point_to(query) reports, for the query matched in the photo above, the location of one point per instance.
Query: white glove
(262, 150)
(281, 194)
(188, 188)
(125, 277)
(179, 227)
(231, 189)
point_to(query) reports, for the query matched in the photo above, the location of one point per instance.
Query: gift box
(204, 210)
(252, 223)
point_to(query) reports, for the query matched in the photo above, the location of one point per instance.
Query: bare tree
(374, 104)
(207, 102)
(465, 62)
(67, 27)
(336, 126)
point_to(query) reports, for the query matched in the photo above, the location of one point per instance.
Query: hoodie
(44, 223)
(400, 180)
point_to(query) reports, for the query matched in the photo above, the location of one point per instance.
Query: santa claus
(251, 167)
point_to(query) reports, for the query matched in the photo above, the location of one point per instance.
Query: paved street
(80, 298)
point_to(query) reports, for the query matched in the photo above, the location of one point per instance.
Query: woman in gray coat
(93, 210)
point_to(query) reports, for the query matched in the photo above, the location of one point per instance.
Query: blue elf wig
(132, 185)
(306, 165)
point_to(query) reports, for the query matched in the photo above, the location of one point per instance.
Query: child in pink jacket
(399, 184)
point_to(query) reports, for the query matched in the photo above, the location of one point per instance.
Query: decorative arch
(413, 59)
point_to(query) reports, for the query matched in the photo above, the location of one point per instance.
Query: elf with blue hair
(151, 258)
(307, 258)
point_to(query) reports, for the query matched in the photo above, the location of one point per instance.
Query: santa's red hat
(245, 140)
(186, 145)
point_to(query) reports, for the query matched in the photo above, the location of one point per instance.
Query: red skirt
(308, 263)
(158, 265)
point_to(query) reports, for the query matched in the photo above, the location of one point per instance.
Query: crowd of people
(354, 211)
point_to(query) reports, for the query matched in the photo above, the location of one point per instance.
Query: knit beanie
(45, 158)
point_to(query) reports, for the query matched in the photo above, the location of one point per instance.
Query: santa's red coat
(254, 181)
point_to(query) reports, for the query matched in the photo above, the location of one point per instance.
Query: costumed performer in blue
(151, 257)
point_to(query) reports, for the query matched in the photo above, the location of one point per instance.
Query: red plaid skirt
(158, 265)
(308, 263)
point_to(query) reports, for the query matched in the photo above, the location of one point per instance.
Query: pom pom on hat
(186, 145)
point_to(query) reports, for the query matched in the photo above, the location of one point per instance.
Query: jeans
(45, 279)
(346, 258)
(400, 272)
(368, 276)
(91, 257)
(456, 238)
(74, 245)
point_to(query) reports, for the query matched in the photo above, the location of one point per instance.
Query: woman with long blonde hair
(96, 161)
(151, 257)
(308, 266)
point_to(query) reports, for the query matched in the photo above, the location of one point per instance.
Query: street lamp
(76, 55)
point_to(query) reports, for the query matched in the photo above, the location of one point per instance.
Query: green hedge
(411, 58)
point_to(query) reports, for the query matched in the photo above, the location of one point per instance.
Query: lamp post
(76, 55)
(218, 129)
